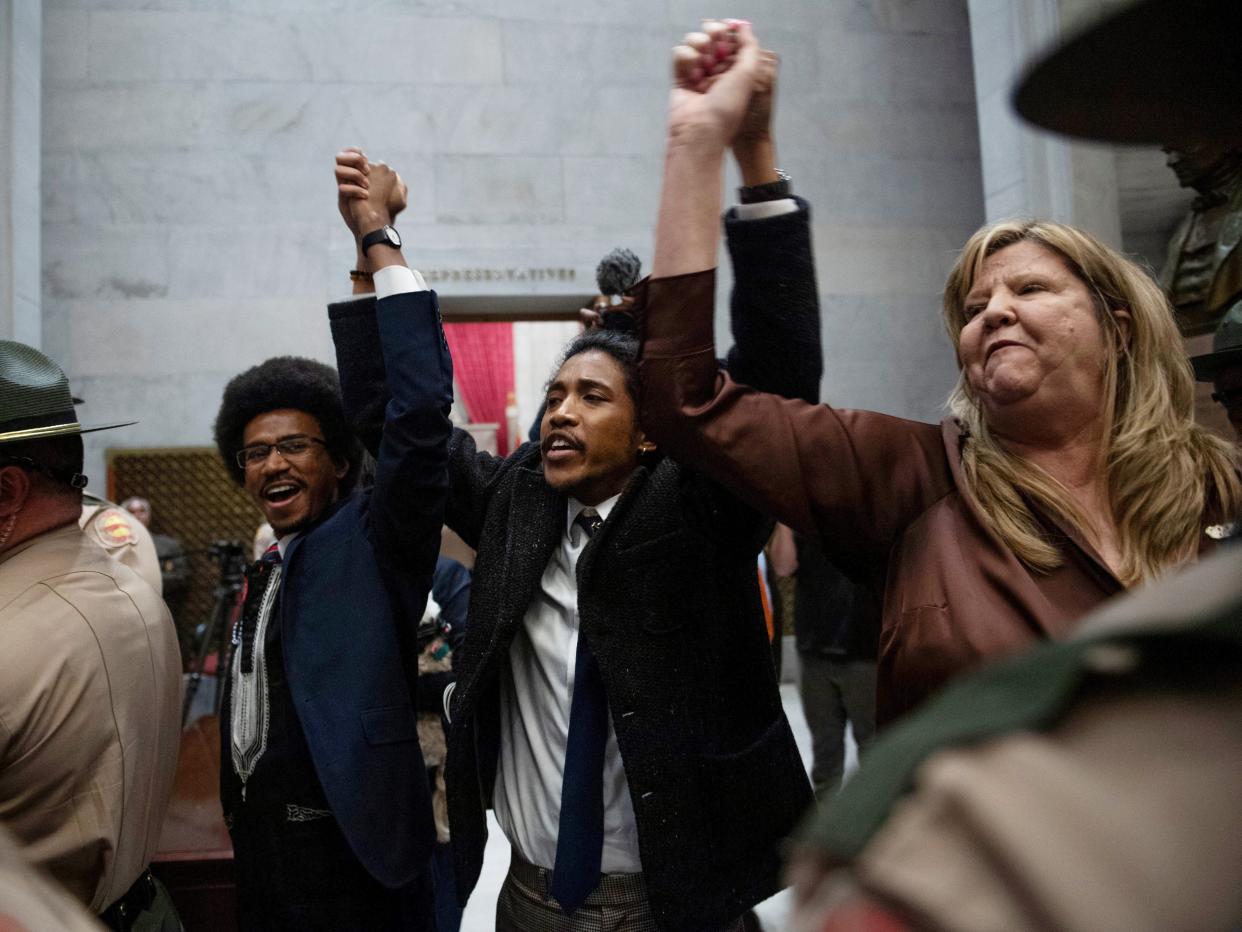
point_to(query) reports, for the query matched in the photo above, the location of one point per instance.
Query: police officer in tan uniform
(89, 668)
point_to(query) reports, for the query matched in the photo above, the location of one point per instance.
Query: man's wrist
(382, 255)
(371, 221)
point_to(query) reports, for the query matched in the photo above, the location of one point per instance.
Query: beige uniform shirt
(124, 538)
(90, 705)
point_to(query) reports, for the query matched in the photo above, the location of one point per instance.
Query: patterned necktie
(249, 698)
(580, 834)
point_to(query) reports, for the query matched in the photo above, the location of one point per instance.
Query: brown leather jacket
(884, 494)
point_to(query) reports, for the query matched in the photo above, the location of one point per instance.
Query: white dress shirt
(536, 692)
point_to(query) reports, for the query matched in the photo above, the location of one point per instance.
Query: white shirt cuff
(448, 697)
(397, 279)
(760, 210)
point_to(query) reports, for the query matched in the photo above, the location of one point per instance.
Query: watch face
(393, 237)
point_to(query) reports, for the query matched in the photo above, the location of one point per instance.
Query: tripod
(213, 635)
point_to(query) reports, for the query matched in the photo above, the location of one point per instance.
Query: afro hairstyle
(287, 382)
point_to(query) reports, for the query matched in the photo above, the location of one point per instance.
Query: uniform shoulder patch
(113, 530)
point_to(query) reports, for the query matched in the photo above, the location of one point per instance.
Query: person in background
(837, 627)
(1070, 469)
(264, 537)
(90, 683)
(174, 566)
(123, 537)
(441, 633)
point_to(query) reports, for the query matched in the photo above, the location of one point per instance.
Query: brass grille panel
(192, 499)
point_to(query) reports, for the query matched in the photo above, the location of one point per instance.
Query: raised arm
(364, 386)
(411, 478)
(855, 478)
(774, 309)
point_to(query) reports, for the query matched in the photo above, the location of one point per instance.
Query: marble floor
(773, 913)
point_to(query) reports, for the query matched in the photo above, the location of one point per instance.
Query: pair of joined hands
(723, 85)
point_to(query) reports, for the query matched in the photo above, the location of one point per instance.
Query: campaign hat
(1156, 72)
(35, 401)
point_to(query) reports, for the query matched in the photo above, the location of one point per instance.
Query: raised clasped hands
(722, 86)
(370, 194)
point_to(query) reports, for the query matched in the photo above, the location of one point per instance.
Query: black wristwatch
(385, 234)
(772, 191)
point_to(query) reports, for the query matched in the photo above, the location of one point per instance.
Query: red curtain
(483, 369)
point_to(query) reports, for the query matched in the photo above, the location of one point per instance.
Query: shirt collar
(282, 543)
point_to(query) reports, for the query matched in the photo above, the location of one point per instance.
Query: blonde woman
(1070, 469)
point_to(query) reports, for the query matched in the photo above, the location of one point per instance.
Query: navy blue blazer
(352, 592)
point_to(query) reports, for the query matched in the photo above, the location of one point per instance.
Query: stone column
(1026, 171)
(21, 37)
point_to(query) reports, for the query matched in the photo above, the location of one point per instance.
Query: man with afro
(322, 782)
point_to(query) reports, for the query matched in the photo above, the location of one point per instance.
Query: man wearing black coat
(701, 777)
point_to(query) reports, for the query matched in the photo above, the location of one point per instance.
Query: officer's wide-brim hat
(1162, 72)
(1226, 347)
(35, 401)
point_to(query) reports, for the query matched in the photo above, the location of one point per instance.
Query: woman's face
(1032, 345)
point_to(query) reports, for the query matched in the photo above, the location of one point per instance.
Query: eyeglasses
(1230, 398)
(291, 448)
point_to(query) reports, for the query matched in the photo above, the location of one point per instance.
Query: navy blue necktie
(580, 834)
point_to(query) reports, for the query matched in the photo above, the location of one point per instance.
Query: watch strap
(772, 191)
(375, 237)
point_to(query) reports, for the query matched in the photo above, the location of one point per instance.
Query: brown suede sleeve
(856, 478)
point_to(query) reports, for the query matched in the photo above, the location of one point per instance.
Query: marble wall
(21, 24)
(1028, 172)
(189, 228)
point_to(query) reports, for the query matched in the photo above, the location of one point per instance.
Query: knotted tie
(580, 834)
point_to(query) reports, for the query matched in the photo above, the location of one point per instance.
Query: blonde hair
(1164, 471)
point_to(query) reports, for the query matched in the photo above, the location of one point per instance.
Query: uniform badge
(113, 530)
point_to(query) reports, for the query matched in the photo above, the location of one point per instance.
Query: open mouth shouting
(560, 446)
(280, 497)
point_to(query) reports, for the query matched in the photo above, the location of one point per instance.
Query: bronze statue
(1223, 367)
(1203, 272)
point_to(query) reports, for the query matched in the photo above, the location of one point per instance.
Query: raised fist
(369, 194)
(715, 76)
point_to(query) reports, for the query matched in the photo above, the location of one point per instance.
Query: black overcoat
(669, 602)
